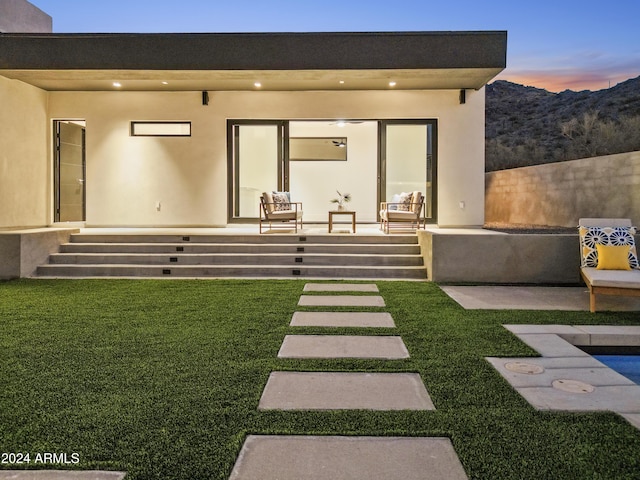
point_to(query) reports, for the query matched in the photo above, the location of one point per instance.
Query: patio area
(514, 297)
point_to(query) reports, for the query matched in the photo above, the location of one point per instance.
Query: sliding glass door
(258, 161)
(408, 161)
(257, 153)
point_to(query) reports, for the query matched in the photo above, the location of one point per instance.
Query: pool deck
(565, 378)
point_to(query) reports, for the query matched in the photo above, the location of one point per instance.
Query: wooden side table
(342, 212)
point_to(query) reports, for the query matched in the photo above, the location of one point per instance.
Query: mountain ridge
(527, 125)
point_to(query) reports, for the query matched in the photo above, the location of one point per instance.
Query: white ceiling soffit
(233, 80)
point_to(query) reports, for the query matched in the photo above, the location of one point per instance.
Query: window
(160, 129)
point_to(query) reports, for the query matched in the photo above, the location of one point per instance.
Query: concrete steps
(277, 256)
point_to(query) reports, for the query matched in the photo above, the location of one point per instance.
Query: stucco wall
(561, 193)
(126, 176)
(25, 156)
(500, 258)
(20, 16)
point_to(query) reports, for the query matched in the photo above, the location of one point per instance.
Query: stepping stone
(271, 457)
(60, 475)
(343, 346)
(341, 301)
(343, 319)
(345, 391)
(341, 287)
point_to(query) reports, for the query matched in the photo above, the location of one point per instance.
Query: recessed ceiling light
(165, 83)
(257, 85)
(392, 84)
(117, 84)
(341, 82)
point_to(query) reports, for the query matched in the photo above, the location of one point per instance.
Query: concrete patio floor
(536, 298)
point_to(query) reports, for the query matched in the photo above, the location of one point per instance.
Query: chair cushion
(416, 206)
(612, 278)
(613, 257)
(285, 215)
(268, 201)
(592, 236)
(398, 216)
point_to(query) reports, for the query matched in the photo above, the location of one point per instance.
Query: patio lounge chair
(609, 261)
(277, 210)
(405, 208)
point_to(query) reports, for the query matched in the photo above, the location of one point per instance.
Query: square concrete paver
(341, 301)
(271, 457)
(343, 346)
(343, 319)
(345, 391)
(60, 475)
(341, 287)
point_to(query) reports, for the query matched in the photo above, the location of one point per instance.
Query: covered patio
(236, 101)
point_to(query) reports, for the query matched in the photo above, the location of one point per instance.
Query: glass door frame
(431, 201)
(233, 163)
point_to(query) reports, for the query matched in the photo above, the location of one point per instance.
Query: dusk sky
(557, 45)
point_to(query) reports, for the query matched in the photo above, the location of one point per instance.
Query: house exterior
(23, 16)
(177, 130)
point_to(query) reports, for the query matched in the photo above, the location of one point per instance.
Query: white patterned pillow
(394, 200)
(592, 236)
(405, 201)
(281, 200)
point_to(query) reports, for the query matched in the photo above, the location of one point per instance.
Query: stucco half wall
(498, 258)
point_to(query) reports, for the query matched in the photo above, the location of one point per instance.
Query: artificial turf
(162, 378)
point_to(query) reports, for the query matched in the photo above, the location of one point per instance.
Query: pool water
(627, 365)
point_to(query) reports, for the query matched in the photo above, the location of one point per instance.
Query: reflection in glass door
(256, 165)
(408, 161)
(69, 171)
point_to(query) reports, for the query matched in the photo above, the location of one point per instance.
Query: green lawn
(162, 379)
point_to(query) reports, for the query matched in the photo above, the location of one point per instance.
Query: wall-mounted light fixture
(205, 98)
(463, 96)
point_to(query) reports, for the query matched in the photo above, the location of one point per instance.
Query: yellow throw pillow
(613, 257)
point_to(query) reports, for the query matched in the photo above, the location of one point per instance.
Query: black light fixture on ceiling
(205, 98)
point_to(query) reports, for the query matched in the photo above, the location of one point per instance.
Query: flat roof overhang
(280, 61)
